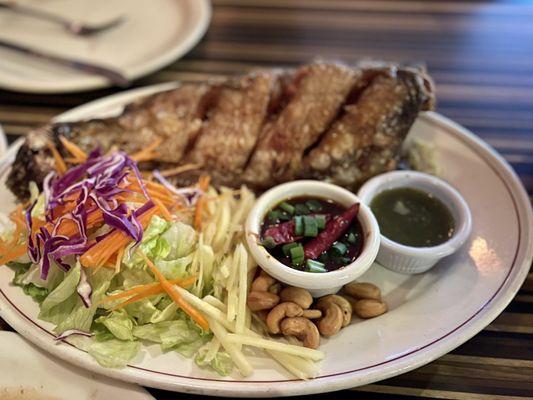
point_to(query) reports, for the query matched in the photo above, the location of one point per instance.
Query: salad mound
(115, 259)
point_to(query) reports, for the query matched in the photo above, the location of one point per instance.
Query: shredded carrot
(203, 182)
(148, 153)
(60, 165)
(98, 254)
(167, 286)
(73, 149)
(73, 160)
(20, 224)
(164, 210)
(157, 187)
(69, 228)
(13, 254)
(198, 213)
(180, 169)
(157, 289)
(16, 234)
(139, 289)
(155, 194)
(118, 262)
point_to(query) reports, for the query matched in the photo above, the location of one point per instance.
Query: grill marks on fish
(156, 117)
(366, 139)
(233, 126)
(320, 91)
(323, 121)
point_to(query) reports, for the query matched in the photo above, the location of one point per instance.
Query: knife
(89, 68)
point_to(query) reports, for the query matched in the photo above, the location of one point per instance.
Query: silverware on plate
(112, 75)
(71, 26)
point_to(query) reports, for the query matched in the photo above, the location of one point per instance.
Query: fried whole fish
(321, 121)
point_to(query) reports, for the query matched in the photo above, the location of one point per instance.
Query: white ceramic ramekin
(414, 260)
(318, 284)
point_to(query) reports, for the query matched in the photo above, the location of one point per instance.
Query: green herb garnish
(320, 221)
(269, 242)
(287, 207)
(301, 209)
(313, 205)
(310, 226)
(339, 248)
(315, 266)
(297, 254)
(273, 216)
(286, 248)
(298, 225)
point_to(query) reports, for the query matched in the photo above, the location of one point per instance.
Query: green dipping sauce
(412, 217)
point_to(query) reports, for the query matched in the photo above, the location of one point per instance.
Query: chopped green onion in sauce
(294, 225)
(310, 226)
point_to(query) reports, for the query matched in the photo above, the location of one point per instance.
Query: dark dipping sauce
(291, 230)
(413, 217)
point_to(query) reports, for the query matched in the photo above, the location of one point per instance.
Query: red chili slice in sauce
(284, 232)
(334, 229)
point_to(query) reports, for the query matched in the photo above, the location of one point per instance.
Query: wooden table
(481, 56)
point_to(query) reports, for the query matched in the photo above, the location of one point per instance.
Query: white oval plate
(154, 34)
(30, 373)
(430, 314)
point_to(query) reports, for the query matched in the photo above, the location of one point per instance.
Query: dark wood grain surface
(480, 54)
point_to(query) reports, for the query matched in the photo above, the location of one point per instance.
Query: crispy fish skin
(233, 126)
(366, 140)
(322, 121)
(173, 116)
(320, 92)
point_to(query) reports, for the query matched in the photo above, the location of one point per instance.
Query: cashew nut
(331, 323)
(262, 300)
(303, 329)
(282, 310)
(363, 290)
(350, 299)
(275, 288)
(297, 295)
(324, 302)
(368, 308)
(262, 314)
(262, 282)
(312, 314)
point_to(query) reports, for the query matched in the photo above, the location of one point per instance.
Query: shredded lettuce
(143, 311)
(119, 324)
(81, 317)
(182, 238)
(178, 251)
(62, 292)
(219, 361)
(64, 307)
(35, 292)
(152, 243)
(173, 269)
(113, 353)
(180, 335)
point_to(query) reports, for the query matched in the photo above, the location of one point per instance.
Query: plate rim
(88, 83)
(129, 389)
(414, 359)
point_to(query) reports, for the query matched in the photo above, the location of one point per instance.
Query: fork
(74, 27)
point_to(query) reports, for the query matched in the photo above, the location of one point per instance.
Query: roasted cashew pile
(292, 311)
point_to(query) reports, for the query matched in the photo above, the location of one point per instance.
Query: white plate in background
(430, 314)
(29, 373)
(154, 34)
